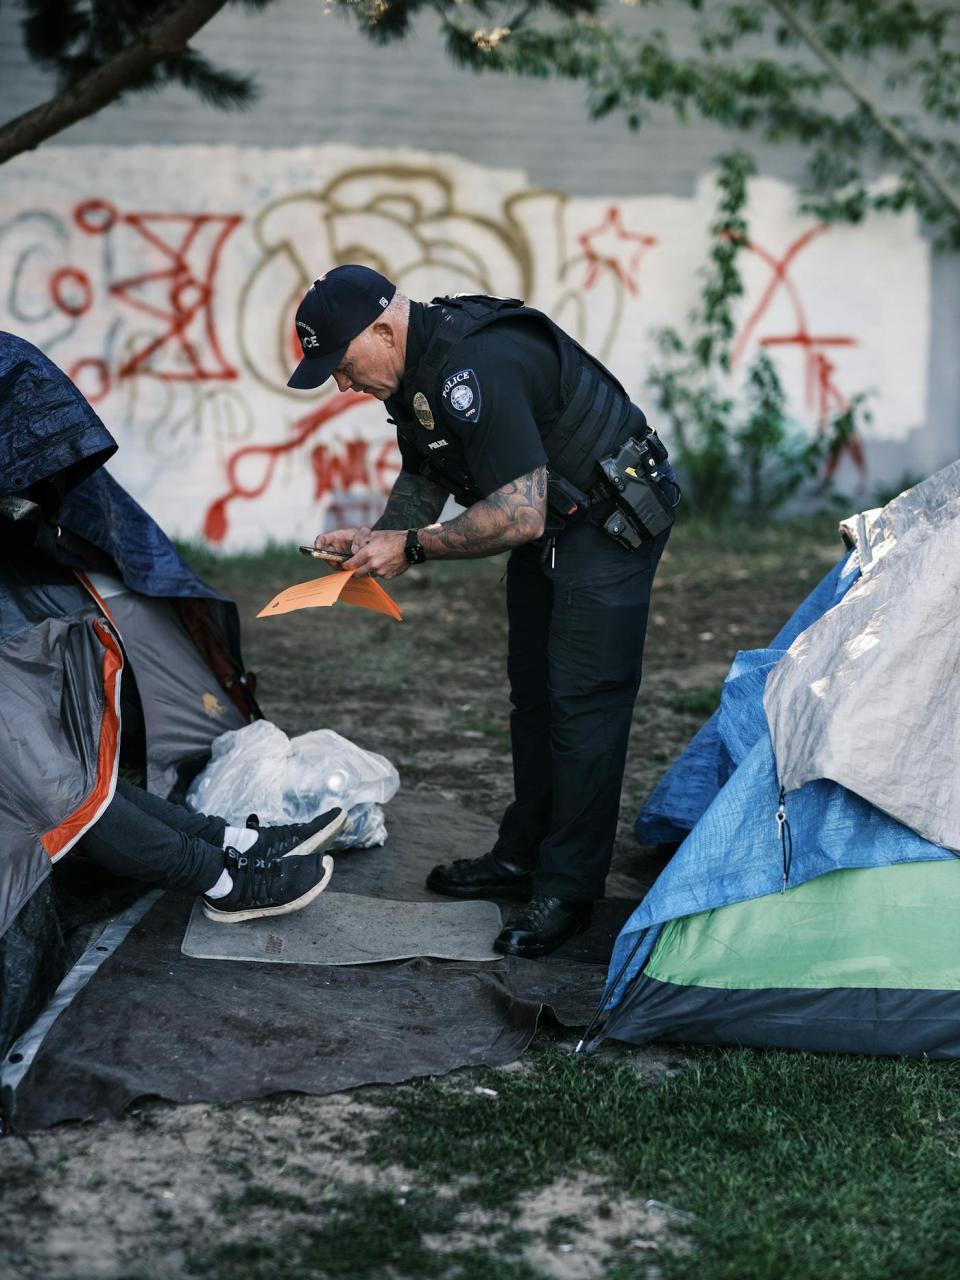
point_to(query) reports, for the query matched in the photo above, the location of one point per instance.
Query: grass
(363, 1233)
(779, 543)
(775, 536)
(789, 1165)
(795, 1165)
(281, 560)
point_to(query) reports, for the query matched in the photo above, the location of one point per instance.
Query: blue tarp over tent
(48, 428)
(721, 799)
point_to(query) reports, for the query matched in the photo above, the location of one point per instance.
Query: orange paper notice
(323, 592)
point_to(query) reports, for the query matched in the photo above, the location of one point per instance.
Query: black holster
(632, 479)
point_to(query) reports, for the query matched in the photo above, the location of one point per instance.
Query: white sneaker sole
(320, 839)
(283, 909)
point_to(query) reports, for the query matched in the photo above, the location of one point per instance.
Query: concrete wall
(164, 277)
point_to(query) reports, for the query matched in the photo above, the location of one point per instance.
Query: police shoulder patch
(461, 395)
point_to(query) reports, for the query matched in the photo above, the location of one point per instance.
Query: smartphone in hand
(321, 553)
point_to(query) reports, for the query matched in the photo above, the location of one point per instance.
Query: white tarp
(869, 695)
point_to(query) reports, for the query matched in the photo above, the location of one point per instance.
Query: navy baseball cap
(340, 305)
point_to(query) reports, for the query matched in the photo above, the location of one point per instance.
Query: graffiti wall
(165, 281)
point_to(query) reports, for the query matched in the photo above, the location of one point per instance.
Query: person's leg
(131, 840)
(529, 602)
(199, 826)
(506, 870)
(601, 603)
(274, 841)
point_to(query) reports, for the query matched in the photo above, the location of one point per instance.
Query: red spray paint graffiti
(96, 387)
(179, 292)
(71, 291)
(337, 472)
(823, 395)
(340, 470)
(611, 247)
(216, 525)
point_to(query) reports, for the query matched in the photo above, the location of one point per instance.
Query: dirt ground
(140, 1197)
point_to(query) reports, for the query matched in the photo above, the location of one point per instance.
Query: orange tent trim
(58, 840)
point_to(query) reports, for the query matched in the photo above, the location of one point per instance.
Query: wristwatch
(412, 549)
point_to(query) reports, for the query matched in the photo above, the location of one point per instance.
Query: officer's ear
(383, 332)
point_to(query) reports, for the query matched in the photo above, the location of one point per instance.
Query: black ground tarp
(154, 1022)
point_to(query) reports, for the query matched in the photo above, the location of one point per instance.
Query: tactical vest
(595, 414)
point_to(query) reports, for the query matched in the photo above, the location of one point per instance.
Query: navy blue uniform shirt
(498, 388)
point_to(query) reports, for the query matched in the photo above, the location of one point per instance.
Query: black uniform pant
(142, 837)
(576, 633)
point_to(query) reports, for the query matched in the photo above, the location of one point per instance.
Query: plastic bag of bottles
(258, 769)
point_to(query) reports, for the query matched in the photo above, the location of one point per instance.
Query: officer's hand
(382, 555)
(361, 537)
(339, 540)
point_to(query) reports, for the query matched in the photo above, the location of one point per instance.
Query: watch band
(412, 549)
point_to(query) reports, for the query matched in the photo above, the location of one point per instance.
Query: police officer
(495, 404)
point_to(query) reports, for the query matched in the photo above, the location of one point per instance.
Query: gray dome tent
(113, 653)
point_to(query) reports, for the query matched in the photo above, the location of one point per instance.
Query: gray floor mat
(350, 928)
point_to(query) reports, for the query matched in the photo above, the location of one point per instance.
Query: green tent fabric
(891, 927)
(863, 960)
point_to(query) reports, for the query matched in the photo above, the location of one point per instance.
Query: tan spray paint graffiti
(405, 223)
(172, 305)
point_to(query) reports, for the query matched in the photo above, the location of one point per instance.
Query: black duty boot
(484, 877)
(542, 926)
(268, 887)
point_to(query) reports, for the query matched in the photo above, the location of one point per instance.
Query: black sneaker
(485, 877)
(268, 887)
(298, 838)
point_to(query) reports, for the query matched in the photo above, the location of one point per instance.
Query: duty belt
(629, 501)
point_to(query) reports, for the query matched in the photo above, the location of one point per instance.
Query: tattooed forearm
(512, 515)
(414, 501)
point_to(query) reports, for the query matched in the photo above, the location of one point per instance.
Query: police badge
(421, 407)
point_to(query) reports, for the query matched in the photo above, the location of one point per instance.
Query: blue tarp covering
(725, 787)
(47, 428)
(686, 790)
(105, 514)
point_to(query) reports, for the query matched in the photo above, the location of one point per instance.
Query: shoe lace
(277, 841)
(536, 911)
(254, 876)
(484, 860)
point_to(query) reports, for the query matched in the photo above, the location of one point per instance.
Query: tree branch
(896, 135)
(169, 36)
